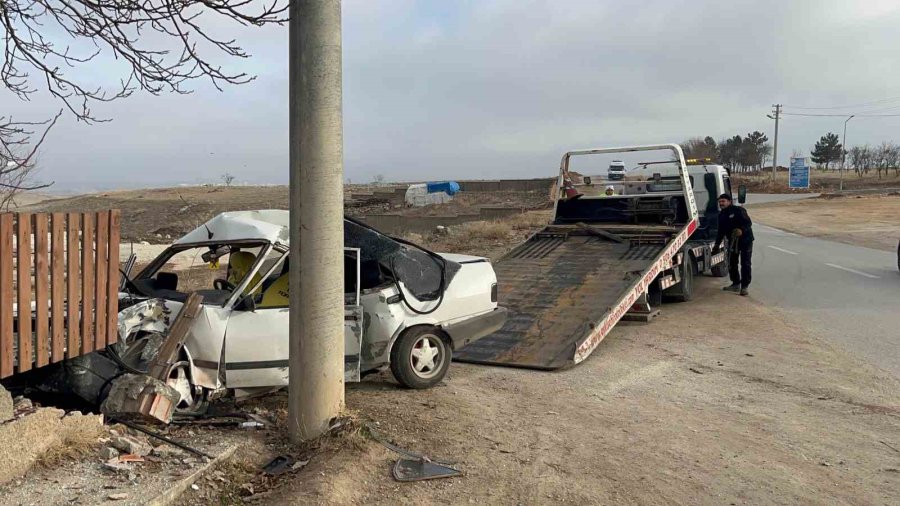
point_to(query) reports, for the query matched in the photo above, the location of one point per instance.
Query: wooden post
(23, 287)
(102, 264)
(41, 291)
(6, 294)
(112, 279)
(73, 281)
(87, 283)
(57, 286)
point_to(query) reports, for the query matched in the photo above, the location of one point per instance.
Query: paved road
(848, 294)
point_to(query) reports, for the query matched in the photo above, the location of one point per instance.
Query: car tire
(410, 367)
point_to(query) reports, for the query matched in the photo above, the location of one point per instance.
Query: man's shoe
(744, 292)
(733, 288)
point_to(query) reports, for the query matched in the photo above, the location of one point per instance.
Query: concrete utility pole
(844, 151)
(777, 116)
(316, 388)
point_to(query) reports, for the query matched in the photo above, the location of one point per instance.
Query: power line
(867, 104)
(840, 115)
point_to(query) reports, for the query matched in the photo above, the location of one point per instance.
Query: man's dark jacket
(733, 217)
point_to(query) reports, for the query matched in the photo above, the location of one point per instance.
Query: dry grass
(78, 440)
(489, 239)
(820, 181)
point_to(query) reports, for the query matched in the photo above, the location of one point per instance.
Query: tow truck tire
(720, 270)
(683, 291)
(654, 294)
(421, 357)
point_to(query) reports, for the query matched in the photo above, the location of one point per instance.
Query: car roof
(270, 225)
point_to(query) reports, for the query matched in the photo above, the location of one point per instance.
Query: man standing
(734, 223)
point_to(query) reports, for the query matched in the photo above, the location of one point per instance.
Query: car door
(257, 340)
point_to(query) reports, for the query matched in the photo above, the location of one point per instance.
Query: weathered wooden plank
(101, 266)
(23, 287)
(73, 281)
(87, 282)
(41, 290)
(6, 294)
(57, 286)
(112, 290)
(168, 350)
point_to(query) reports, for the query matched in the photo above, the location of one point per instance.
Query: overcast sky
(500, 88)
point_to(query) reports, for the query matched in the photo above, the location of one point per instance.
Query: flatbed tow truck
(604, 259)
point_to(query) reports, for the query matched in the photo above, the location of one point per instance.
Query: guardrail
(63, 268)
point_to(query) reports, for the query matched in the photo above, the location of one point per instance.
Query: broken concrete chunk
(108, 452)
(140, 396)
(6, 405)
(132, 445)
(168, 451)
(115, 466)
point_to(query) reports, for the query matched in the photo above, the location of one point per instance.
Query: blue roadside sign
(799, 173)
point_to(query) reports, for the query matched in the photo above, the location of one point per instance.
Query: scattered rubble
(132, 445)
(108, 453)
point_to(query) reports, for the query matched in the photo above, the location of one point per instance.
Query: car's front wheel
(421, 357)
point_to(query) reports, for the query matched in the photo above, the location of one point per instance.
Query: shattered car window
(419, 270)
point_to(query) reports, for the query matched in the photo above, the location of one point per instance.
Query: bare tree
(159, 44)
(18, 153)
(892, 158)
(227, 178)
(162, 44)
(855, 157)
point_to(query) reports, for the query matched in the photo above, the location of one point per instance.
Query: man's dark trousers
(743, 255)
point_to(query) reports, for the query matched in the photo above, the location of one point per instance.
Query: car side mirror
(742, 194)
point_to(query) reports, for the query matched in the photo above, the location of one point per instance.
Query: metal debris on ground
(422, 469)
(415, 467)
(161, 437)
(279, 465)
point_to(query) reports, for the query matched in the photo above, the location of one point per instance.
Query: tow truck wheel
(683, 291)
(720, 270)
(193, 397)
(420, 358)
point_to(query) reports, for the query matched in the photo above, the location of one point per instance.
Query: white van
(616, 170)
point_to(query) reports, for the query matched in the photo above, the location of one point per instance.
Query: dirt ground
(820, 181)
(689, 409)
(871, 221)
(160, 215)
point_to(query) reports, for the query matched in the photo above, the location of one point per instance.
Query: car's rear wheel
(421, 357)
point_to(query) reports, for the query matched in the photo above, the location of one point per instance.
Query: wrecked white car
(406, 307)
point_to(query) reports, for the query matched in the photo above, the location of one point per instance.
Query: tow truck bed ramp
(566, 287)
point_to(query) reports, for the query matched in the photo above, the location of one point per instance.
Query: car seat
(239, 264)
(277, 294)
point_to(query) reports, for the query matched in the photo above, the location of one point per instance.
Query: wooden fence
(63, 269)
